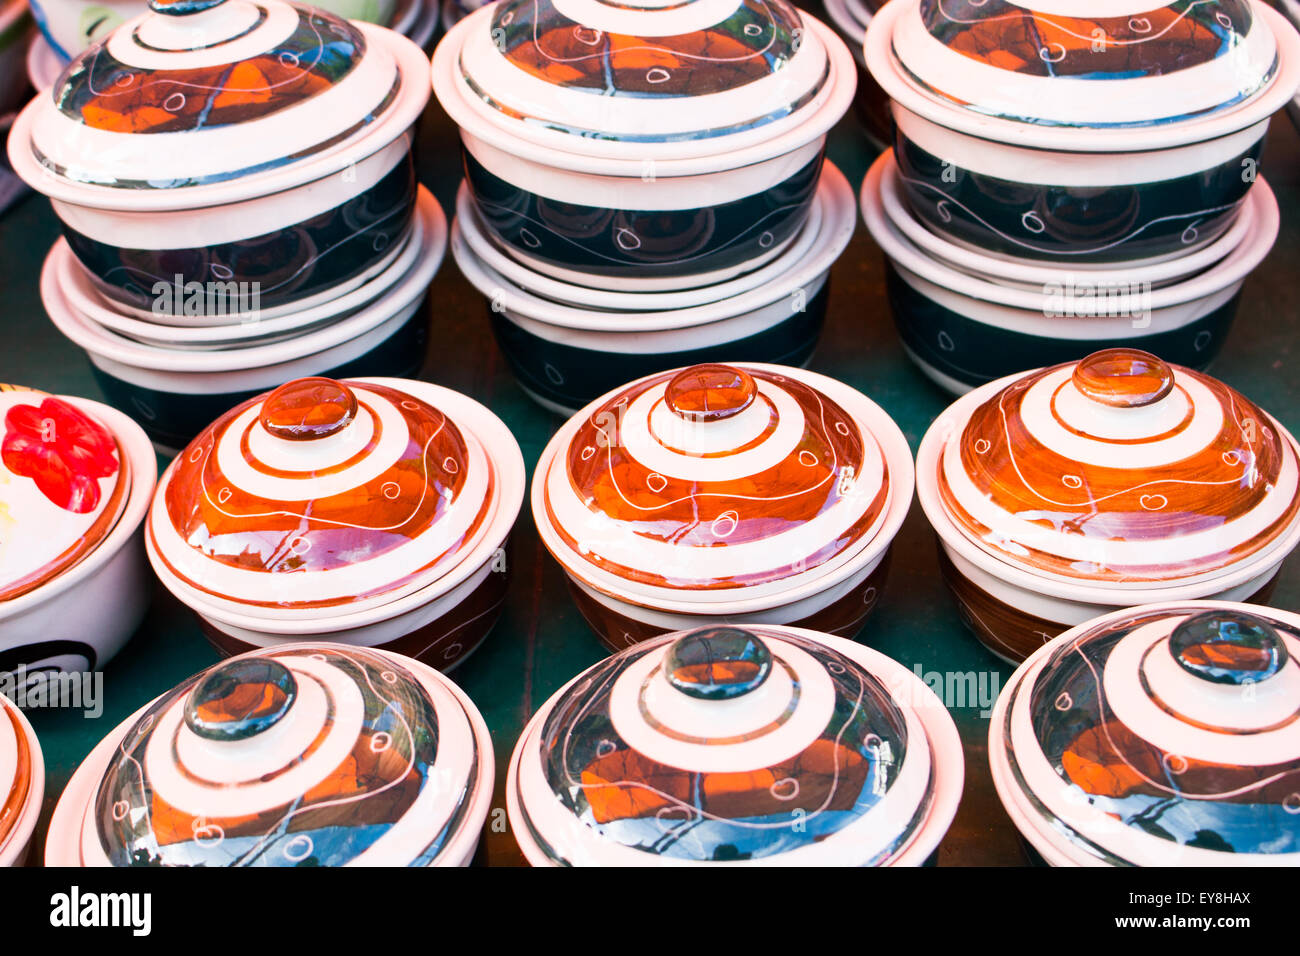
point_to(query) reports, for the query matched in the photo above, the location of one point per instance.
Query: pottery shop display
(76, 478)
(22, 783)
(730, 746)
(371, 512)
(305, 755)
(1033, 134)
(672, 147)
(967, 319)
(569, 344)
(289, 179)
(746, 493)
(1158, 736)
(1068, 492)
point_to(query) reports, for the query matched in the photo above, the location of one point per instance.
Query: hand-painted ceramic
(565, 356)
(325, 504)
(175, 393)
(75, 481)
(291, 173)
(1157, 736)
(729, 746)
(22, 783)
(308, 755)
(802, 481)
(964, 331)
(1115, 481)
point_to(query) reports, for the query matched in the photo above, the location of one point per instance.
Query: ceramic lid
(21, 777)
(1159, 736)
(302, 756)
(64, 483)
(724, 745)
(201, 92)
(787, 473)
(324, 496)
(1121, 470)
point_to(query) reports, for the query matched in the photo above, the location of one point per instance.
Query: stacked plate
(1043, 199)
(644, 184)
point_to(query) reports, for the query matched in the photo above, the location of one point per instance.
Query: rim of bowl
(532, 146)
(883, 65)
(412, 66)
(894, 447)
(1073, 589)
(99, 341)
(43, 64)
(838, 224)
(16, 842)
(467, 226)
(1232, 268)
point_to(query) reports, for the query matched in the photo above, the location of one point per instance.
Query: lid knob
(1123, 378)
(710, 393)
(718, 663)
(181, 8)
(308, 408)
(1228, 647)
(240, 699)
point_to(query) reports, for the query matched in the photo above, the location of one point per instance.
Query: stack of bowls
(1030, 154)
(216, 246)
(613, 219)
(850, 18)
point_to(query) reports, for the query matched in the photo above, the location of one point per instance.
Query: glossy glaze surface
(16, 762)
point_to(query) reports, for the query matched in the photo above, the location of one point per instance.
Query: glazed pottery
(564, 356)
(75, 483)
(667, 147)
(850, 19)
(731, 746)
(1032, 134)
(1064, 493)
(964, 331)
(1156, 736)
(290, 179)
(22, 783)
(371, 512)
(175, 393)
(801, 481)
(247, 763)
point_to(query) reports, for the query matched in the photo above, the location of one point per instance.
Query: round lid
(201, 92)
(300, 756)
(63, 486)
(726, 744)
(21, 773)
(595, 74)
(1159, 736)
(324, 494)
(1087, 63)
(787, 473)
(1121, 470)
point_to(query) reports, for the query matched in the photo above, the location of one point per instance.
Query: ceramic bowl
(708, 748)
(227, 768)
(75, 483)
(22, 783)
(290, 181)
(592, 154)
(175, 393)
(565, 356)
(1120, 480)
(1156, 736)
(850, 19)
(1077, 155)
(800, 480)
(964, 331)
(397, 498)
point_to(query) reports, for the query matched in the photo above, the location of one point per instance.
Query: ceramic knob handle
(718, 663)
(710, 393)
(308, 408)
(240, 699)
(181, 8)
(1124, 378)
(1228, 647)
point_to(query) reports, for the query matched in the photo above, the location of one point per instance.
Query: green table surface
(541, 641)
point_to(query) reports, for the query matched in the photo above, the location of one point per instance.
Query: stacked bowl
(850, 18)
(1062, 181)
(617, 224)
(214, 246)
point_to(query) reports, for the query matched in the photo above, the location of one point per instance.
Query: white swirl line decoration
(1079, 36)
